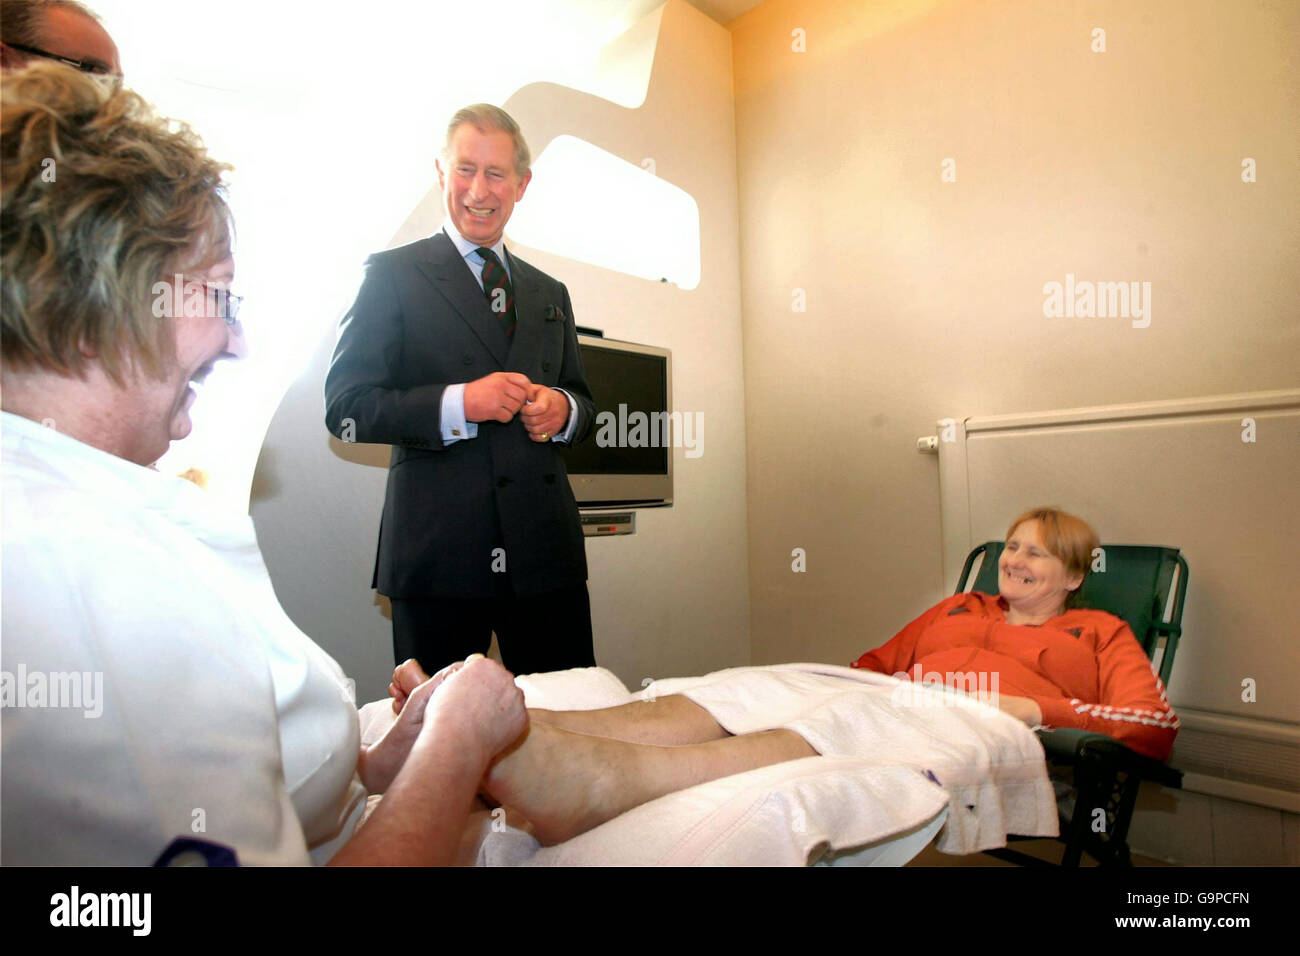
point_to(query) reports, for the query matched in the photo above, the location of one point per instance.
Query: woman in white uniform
(157, 699)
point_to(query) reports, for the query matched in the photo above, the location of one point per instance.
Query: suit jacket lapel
(451, 276)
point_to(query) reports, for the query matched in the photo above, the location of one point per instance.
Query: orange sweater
(1084, 668)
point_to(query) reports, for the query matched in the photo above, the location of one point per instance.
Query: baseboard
(1251, 761)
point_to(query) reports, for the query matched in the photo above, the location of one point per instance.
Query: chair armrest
(1066, 743)
(1074, 746)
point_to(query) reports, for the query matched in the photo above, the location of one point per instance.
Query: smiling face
(479, 183)
(1034, 581)
(201, 341)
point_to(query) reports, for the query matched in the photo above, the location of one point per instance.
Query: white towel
(814, 810)
(582, 688)
(990, 763)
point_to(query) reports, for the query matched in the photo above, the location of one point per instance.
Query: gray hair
(486, 116)
(23, 21)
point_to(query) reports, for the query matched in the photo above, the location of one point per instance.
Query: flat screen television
(627, 459)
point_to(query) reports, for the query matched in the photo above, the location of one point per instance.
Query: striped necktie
(497, 288)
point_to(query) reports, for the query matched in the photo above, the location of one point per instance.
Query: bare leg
(667, 721)
(566, 783)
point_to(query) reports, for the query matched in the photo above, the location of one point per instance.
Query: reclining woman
(1050, 662)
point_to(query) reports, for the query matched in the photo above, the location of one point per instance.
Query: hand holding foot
(380, 762)
(478, 690)
(479, 704)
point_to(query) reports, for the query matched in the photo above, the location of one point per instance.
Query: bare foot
(559, 780)
(565, 783)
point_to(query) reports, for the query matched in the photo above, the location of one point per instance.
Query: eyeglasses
(94, 67)
(222, 303)
(186, 297)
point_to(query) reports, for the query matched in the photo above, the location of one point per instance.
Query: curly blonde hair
(101, 198)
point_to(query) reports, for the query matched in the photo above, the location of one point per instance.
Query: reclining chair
(1145, 586)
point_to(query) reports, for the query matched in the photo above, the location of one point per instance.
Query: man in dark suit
(465, 359)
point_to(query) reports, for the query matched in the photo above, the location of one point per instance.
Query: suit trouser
(541, 632)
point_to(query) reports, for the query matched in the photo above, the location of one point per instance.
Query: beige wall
(924, 298)
(672, 599)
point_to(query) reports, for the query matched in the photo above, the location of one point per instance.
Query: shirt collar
(467, 248)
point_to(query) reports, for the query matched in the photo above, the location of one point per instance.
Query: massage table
(912, 764)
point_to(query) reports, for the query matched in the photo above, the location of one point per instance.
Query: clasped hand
(502, 395)
(474, 700)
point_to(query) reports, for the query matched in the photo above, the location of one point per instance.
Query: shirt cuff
(566, 435)
(454, 426)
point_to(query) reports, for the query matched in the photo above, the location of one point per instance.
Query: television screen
(631, 393)
(626, 459)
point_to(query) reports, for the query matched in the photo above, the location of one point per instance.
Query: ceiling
(724, 11)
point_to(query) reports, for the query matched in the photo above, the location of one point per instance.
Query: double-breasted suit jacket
(421, 322)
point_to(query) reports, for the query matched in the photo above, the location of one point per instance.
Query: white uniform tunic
(218, 720)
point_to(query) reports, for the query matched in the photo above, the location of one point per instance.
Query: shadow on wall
(376, 456)
(317, 520)
(267, 484)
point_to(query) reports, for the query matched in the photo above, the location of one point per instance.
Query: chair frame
(1107, 774)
